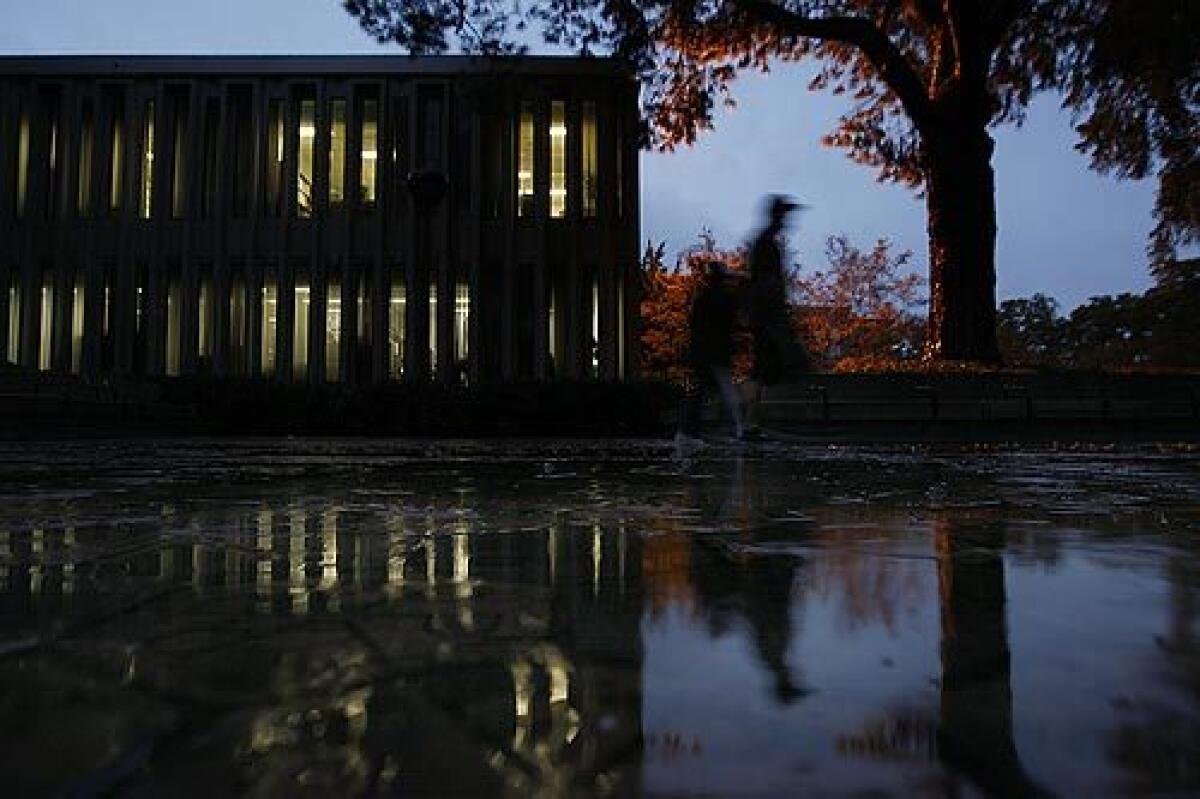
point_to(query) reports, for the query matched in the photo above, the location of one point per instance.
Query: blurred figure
(776, 352)
(710, 354)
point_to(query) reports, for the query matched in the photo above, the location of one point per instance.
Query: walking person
(710, 351)
(777, 354)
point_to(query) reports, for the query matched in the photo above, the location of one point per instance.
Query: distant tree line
(1158, 329)
(865, 311)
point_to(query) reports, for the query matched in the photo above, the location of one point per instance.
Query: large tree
(926, 80)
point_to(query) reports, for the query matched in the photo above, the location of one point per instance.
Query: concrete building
(354, 219)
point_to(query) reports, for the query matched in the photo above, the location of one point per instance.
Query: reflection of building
(251, 216)
(505, 664)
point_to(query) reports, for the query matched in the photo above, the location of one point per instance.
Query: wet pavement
(596, 619)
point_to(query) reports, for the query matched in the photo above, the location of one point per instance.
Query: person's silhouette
(776, 352)
(710, 351)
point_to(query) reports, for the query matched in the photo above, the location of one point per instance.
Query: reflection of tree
(1160, 748)
(975, 735)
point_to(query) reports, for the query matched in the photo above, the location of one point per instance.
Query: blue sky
(1064, 230)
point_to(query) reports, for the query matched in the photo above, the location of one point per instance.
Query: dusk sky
(1064, 230)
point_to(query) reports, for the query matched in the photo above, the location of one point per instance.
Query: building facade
(320, 219)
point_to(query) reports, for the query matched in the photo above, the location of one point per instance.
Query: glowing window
(304, 173)
(590, 160)
(22, 163)
(83, 203)
(433, 326)
(462, 324)
(174, 325)
(396, 321)
(274, 158)
(205, 338)
(147, 192)
(595, 344)
(270, 323)
(525, 176)
(302, 304)
(337, 152)
(369, 153)
(77, 292)
(116, 159)
(333, 330)
(14, 317)
(558, 159)
(47, 321)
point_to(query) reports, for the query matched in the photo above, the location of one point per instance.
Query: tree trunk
(961, 200)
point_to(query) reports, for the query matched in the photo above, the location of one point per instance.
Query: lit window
(370, 152)
(396, 322)
(205, 343)
(274, 158)
(86, 134)
(147, 162)
(433, 326)
(47, 321)
(14, 317)
(270, 320)
(595, 344)
(174, 324)
(116, 160)
(237, 327)
(552, 328)
(525, 204)
(590, 160)
(178, 153)
(333, 330)
(77, 292)
(462, 325)
(337, 152)
(304, 172)
(558, 159)
(52, 160)
(22, 163)
(301, 306)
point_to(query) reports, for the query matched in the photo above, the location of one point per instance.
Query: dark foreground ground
(316, 617)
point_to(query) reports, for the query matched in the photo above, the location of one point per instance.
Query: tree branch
(887, 59)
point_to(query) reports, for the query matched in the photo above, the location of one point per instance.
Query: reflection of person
(710, 352)
(776, 352)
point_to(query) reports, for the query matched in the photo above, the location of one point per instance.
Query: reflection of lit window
(174, 326)
(551, 328)
(558, 159)
(304, 172)
(14, 317)
(22, 163)
(525, 205)
(77, 323)
(590, 160)
(147, 161)
(274, 157)
(303, 301)
(462, 323)
(47, 321)
(370, 152)
(337, 152)
(83, 203)
(333, 330)
(396, 321)
(270, 319)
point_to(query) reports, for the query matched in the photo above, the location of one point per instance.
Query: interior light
(558, 130)
(370, 155)
(308, 131)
